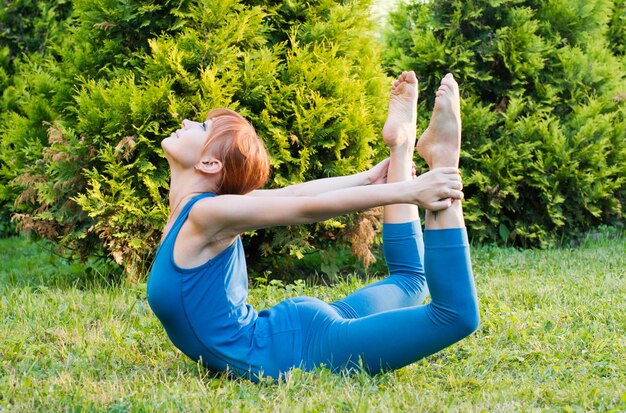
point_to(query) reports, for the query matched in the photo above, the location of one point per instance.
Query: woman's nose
(185, 123)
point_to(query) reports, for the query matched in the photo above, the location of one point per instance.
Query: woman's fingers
(450, 193)
(445, 202)
(438, 188)
(450, 189)
(441, 205)
(456, 194)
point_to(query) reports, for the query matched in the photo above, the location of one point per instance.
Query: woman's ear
(209, 166)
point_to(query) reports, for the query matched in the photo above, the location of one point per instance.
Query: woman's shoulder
(210, 215)
(218, 203)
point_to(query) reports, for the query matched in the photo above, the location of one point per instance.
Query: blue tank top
(205, 313)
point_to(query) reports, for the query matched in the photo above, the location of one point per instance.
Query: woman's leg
(406, 284)
(402, 233)
(395, 338)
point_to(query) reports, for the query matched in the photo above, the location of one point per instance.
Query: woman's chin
(165, 142)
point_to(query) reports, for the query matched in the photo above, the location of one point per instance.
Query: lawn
(552, 338)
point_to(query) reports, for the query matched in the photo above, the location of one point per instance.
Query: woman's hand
(437, 189)
(378, 173)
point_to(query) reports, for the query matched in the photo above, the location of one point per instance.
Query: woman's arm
(375, 175)
(229, 215)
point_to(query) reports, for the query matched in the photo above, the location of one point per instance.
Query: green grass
(552, 338)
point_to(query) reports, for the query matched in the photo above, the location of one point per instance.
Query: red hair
(244, 158)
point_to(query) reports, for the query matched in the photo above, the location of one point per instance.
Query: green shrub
(616, 33)
(81, 139)
(39, 177)
(543, 109)
(27, 27)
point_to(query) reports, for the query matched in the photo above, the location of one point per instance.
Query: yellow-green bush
(83, 123)
(89, 88)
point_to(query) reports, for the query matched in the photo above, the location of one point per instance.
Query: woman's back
(204, 309)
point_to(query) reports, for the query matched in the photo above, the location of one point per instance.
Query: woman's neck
(182, 190)
(185, 185)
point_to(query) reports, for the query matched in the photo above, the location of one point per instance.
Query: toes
(448, 78)
(411, 77)
(443, 90)
(448, 85)
(408, 77)
(449, 81)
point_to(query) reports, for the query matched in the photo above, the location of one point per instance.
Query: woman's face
(185, 145)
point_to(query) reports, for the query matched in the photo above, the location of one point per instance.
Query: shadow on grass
(28, 263)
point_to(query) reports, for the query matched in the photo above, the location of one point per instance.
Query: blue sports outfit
(382, 325)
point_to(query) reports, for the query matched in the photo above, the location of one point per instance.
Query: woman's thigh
(379, 342)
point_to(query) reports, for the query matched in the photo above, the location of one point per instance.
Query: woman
(198, 284)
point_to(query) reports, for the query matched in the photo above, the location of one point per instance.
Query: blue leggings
(383, 325)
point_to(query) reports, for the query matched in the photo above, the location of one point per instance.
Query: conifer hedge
(27, 27)
(89, 88)
(544, 90)
(83, 119)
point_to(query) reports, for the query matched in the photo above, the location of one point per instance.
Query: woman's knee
(469, 320)
(460, 321)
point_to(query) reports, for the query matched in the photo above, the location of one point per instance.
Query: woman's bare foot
(400, 127)
(440, 144)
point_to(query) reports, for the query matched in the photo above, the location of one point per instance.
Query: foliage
(27, 27)
(80, 138)
(616, 34)
(543, 108)
(556, 344)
